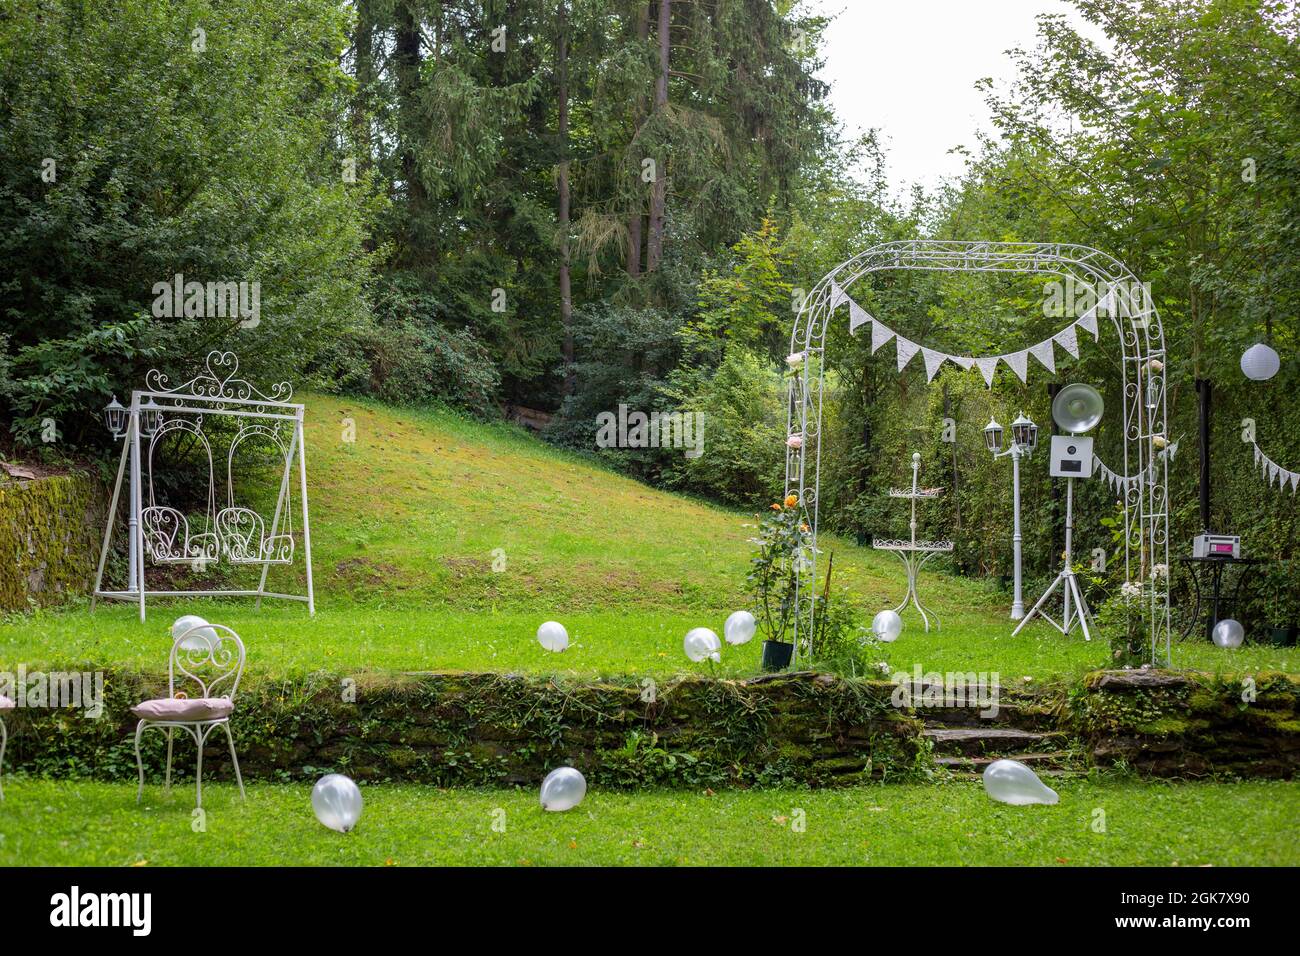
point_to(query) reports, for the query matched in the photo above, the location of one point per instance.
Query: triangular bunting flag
(1089, 322)
(857, 316)
(838, 295)
(1258, 454)
(1272, 473)
(1295, 480)
(1107, 304)
(1067, 340)
(987, 367)
(1045, 354)
(1019, 362)
(906, 349)
(879, 335)
(965, 361)
(933, 360)
(1171, 450)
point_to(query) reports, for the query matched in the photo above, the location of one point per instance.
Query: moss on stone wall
(49, 542)
(483, 729)
(790, 729)
(1192, 724)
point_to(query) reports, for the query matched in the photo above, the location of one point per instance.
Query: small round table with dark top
(1212, 568)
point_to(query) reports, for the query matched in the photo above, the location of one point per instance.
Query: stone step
(1055, 761)
(1008, 714)
(981, 741)
(1057, 765)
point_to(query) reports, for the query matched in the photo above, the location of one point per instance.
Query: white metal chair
(5, 704)
(212, 661)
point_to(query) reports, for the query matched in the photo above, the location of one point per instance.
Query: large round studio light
(1077, 408)
(1260, 362)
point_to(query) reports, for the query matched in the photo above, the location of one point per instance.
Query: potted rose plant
(782, 557)
(1284, 604)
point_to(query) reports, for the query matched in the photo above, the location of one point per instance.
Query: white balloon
(1228, 633)
(739, 628)
(336, 800)
(200, 637)
(553, 636)
(563, 789)
(1260, 362)
(1010, 781)
(700, 643)
(886, 626)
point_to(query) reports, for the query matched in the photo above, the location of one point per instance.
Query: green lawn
(284, 640)
(405, 523)
(1146, 823)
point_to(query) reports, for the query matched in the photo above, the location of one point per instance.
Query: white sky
(908, 68)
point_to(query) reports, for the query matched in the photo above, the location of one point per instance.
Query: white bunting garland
(933, 360)
(1045, 354)
(879, 336)
(838, 296)
(1068, 340)
(987, 367)
(906, 349)
(1018, 362)
(857, 316)
(1088, 322)
(1273, 473)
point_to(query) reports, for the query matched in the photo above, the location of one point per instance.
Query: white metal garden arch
(1144, 368)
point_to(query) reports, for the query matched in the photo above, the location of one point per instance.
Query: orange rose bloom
(791, 500)
(776, 507)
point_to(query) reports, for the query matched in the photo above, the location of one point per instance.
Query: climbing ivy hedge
(48, 539)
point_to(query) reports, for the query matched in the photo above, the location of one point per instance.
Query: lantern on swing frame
(151, 418)
(115, 418)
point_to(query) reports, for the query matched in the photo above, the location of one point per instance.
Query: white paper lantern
(1260, 362)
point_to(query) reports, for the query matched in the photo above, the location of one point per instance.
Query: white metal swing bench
(236, 534)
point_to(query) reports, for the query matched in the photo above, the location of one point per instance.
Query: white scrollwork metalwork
(218, 381)
(1143, 374)
(238, 534)
(210, 658)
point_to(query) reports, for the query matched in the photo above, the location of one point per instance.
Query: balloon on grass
(563, 789)
(739, 628)
(886, 626)
(200, 636)
(336, 801)
(701, 644)
(553, 636)
(1228, 633)
(1010, 781)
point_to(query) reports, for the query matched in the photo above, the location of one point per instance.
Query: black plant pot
(776, 655)
(1282, 636)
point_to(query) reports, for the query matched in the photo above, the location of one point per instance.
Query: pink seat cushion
(6, 703)
(173, 708)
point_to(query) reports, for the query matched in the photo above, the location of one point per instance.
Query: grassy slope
(404, 525)
(1188, 824)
